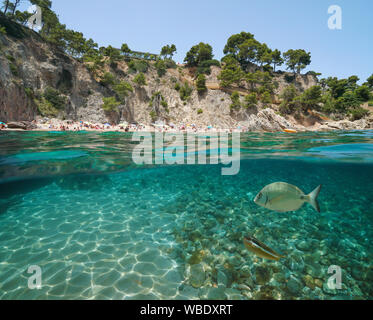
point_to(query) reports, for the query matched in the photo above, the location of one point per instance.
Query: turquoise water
(101, 227)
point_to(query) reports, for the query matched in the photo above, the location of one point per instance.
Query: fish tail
(313, 198)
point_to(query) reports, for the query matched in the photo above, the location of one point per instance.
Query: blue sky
(147, 25)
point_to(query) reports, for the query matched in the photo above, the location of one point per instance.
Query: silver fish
(284, 197)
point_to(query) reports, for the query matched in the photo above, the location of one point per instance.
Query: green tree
(75, 43)
(249, 52)
(352, 82)
(251, 100)
(347, 101)
(168, 51)
(276, 58)
(125, 49)
(311, 98)
(113, 54)
(54, 97)
(110, 104)
(185, 92)
(6, 4)
(236, 103)
(289, 93)
(369, 82)
(22, 17)
(358, 113)
(363, 93)
(108, 79)
(328, 103)
(205, 66)
(336, 87)
(290, 100)
(201, 83)
(266, 97)
(296, 60)
(160, 65)
(264, 55)
(197, 54)
(232, 47)
(231, 73)
(122, 90)
(252, 79)
(140, 79)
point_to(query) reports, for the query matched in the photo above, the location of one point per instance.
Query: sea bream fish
(260, 249)
(284, 197)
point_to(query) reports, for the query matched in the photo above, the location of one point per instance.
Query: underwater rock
(197, 275)
(216, 293)
(315, 271)
(294, 286)
(195, 235)
(318, 283)
(233, 294)
(295, 262)
(196, 258)
(235, 261)
(267, 293)
(279, 277)
(262, 275)
(303, 245)
(309, 282)
(222, 279)
(188, 291)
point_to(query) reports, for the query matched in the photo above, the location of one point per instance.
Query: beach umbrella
(107, 124)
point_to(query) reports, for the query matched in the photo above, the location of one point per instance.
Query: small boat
(290, 131)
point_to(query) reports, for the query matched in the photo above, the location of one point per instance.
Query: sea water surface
(100, 227)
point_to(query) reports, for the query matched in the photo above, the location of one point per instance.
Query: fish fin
(313, 198)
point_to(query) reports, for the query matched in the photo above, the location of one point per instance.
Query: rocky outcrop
(30, 65)
(362, 124)
(266, 120)
(23, 125)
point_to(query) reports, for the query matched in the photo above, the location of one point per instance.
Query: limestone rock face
(30, 65)
(266, 120)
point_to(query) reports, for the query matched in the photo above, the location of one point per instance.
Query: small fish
(260, 249)
(284, 197)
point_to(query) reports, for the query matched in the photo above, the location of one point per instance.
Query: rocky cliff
(29, 65)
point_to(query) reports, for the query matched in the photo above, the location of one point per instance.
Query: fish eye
(260, 196)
